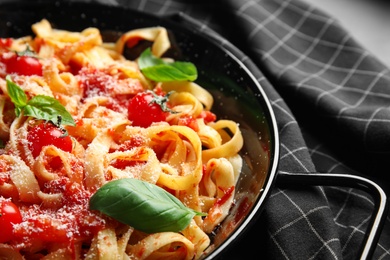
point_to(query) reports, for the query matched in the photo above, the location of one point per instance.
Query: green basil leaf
(147, 59)
(186, 68)
(49, 109)
(164, 73)
(17, 95)
(27, 52)
(158, 70)
(40, 107)
(142, 205)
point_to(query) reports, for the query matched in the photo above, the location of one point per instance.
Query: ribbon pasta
(199, 165)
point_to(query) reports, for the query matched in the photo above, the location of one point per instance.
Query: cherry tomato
(208, 116)
(45, 134)
(6, 42)
(22, 65)
(190, 122)
(142, 111)
(9, 216)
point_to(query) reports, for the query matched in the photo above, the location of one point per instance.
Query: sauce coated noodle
(191, 157)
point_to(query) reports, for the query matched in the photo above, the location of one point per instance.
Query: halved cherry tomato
(22, 65)
(9, 216)
(45, 134)
(143, 111)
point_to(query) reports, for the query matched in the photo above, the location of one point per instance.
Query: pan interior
(237, 96)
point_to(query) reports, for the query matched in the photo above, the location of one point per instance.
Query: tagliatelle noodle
(200, 93)
(187, 164)
(148, 247)
(230, 147)
(23, 179)
(7, 251)
(4, 127)
(198, 163)
(157, 35)
(64, 44)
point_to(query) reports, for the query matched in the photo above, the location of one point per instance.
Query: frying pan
(231, 78)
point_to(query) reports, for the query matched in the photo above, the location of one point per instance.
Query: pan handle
(320, 179)
(346, 180)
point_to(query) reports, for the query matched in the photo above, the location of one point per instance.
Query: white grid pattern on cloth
(259, 26)
(302, 216)
(336, 166)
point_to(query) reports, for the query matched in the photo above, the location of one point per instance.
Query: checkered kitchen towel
(331, 99)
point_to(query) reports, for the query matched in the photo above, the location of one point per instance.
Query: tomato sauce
(65, 223)
(95, 82)
(4, 175)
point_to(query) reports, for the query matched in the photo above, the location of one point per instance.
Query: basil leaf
(147, 59)
(27, 52)
(158, 70)
(142, 205)
(17, 95)
(48, 108)
(40, 107)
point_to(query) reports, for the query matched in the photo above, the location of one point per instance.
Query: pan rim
(244, 62)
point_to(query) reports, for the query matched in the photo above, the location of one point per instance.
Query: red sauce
(5, 42)
(242, 210)
(189, 121)
(65, 223)
(131, 42)
(227, 194)
(4, 175)
(95, 82)
(207, 116)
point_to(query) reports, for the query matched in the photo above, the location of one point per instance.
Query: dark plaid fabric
(331, 99)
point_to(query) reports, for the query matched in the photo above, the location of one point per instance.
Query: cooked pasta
(190, 153)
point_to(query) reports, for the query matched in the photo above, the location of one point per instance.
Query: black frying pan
(238, 96)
